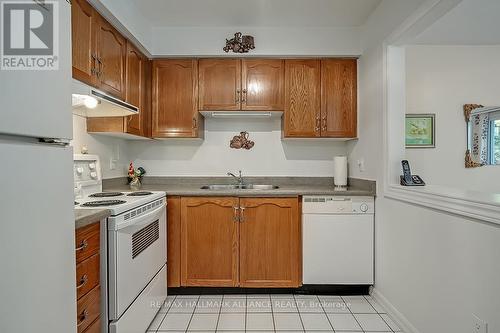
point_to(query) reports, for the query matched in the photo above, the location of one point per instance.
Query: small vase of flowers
(135, 177)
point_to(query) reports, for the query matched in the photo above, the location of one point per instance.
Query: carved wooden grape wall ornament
(239, 43)
(241, 141)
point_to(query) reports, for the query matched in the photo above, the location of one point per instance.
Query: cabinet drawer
(87, 275)
(88, 309)
(95, 327)
(87, 242)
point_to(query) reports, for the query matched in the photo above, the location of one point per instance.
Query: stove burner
(76, 203)
(139, 194)
(103, 203)
(105, 194)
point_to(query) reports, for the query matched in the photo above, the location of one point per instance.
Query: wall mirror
(483, 135)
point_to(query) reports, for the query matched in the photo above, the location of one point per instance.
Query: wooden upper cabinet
(138, 87)
(263, 83)
(83, 21)
(111, 55)
(302, 113)
(339, 98)
(136, 67)
(270, 242)
(209, 242)
(175, 91)
(219, 84)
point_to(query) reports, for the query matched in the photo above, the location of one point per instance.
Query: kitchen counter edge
(84, 217)
(283, 191)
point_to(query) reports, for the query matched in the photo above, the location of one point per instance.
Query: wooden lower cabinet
(235, 242)
(269, 242)
(88, 290)
(209, 242)
(174, 241)
(95, 327)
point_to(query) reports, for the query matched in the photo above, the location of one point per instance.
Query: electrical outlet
(116, 152)
(112, 164)
(361, 164)
(479, 325)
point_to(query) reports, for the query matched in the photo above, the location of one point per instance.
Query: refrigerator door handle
(54, 141)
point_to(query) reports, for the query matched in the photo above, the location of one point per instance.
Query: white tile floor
(270, 313)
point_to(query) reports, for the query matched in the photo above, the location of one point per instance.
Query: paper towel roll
(340, 171)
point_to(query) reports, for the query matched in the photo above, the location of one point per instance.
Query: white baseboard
(403, 323)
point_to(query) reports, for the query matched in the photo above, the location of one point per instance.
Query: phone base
(403, 182)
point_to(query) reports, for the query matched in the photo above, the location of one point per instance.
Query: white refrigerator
(37, 242)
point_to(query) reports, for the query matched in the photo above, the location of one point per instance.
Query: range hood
(242, 114)
(90, 102)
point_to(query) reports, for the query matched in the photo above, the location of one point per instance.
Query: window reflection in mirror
(483, 136)
(495, 138)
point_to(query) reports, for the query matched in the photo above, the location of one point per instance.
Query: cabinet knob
(242, 214)
(83, 281)
(83, 245)
(82, 317)
(244, 96)
(235, 216)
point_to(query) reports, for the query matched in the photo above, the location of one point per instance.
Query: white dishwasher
(338, 240)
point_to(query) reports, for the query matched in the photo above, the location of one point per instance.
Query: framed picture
(420, 131)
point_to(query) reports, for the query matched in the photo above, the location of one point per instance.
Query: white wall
(369, 148)
(126, 17)
(440, 79)
(434, 268)
(437, 269)
(213, 157)
(269, 41)
(103, 146)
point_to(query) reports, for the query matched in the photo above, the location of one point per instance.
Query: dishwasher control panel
(338, 205)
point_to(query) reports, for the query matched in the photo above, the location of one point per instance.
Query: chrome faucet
(239, 179)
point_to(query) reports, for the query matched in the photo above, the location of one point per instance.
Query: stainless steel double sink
(240, 187)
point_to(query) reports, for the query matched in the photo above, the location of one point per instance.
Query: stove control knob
(79, 170)
(363, 207)
(92, 166)
(93, 175)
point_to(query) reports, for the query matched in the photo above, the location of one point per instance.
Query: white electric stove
(89, 194)
(136, 242)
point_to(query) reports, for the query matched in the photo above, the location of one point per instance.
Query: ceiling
(258, 13)
(472, 22)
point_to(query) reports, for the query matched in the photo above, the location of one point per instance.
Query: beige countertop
(84, 217)
(288, 186)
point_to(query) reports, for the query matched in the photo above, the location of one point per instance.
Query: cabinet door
(302, 98)
(175, 93)
(111, 51)
(83, 20)
(209, 242)
(269, 242)
(339, 98)
(262, 84)
(220, 84)
(174, 241)
(136, 64)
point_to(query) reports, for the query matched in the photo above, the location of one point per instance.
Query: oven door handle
(144, 219)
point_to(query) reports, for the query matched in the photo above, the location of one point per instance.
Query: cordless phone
(407, 179)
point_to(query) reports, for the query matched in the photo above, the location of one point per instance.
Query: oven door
(137, 252)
